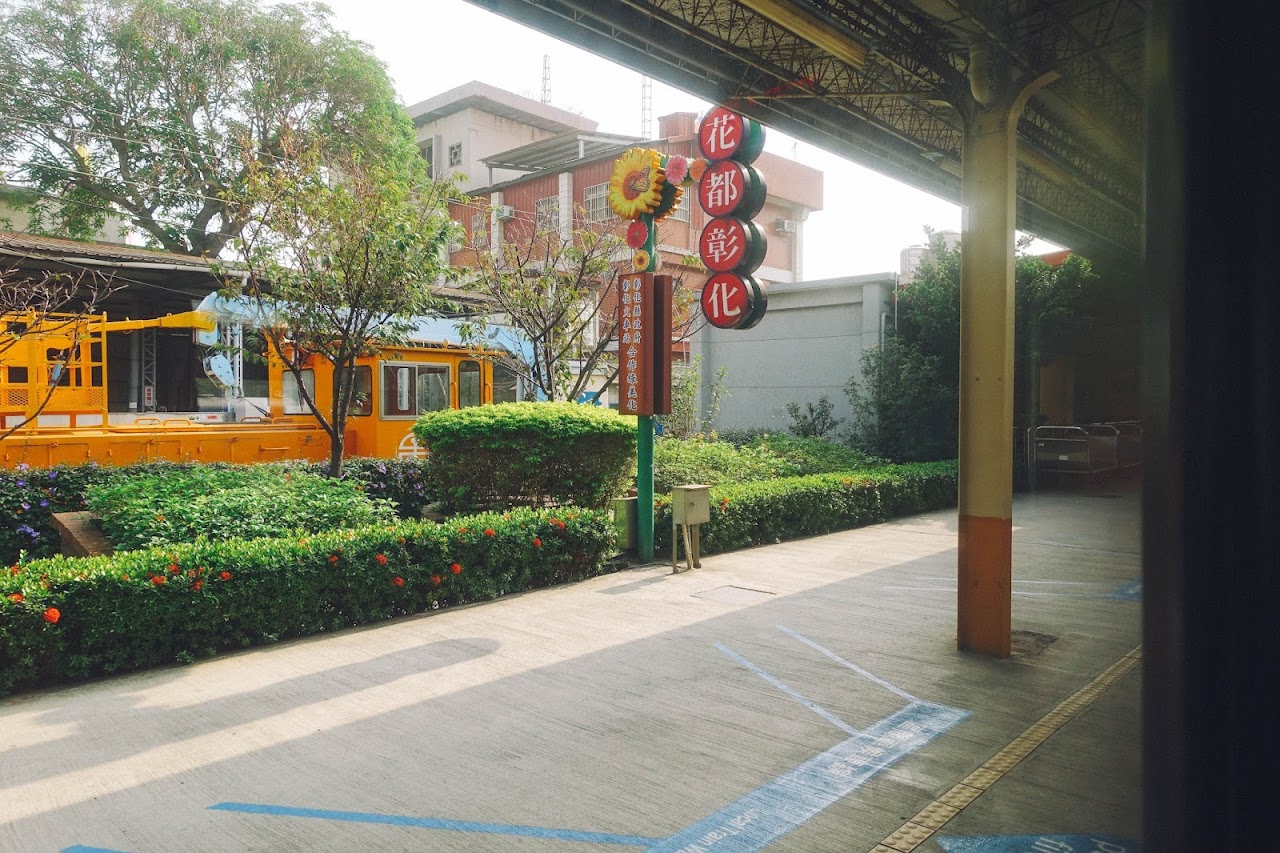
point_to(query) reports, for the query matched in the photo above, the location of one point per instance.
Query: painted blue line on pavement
(1090, 843)
(80, 848)
(777, 807)
(1132, 591)
(440, 823)
(808, 703)
(848, 665)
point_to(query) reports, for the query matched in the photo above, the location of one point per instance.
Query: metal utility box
(691, 504)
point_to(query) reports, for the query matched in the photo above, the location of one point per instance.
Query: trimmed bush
(762, 457)
(767, 512)
(245, 502)
(403, 481)
(29, 497)
(528, 453)
(68, 619)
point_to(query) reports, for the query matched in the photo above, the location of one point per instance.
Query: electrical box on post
(691, 504)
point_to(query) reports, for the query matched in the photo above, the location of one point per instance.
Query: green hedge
(253, 502)
(29, 497)
(763, 513)
(66, 619)
(528, 453)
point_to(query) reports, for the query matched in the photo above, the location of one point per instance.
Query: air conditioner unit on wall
(786, 226)
(506, 211)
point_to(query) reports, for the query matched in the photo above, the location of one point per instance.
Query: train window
(410, 390)
(504, 384)
(397, 388)
(362, 393)
(469, 384)
(433, 388)
(294, 403)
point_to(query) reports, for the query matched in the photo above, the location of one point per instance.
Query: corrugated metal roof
(22, 245)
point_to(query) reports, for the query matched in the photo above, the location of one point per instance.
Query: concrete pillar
(985, 562)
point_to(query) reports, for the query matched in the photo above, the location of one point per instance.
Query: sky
(432, 46)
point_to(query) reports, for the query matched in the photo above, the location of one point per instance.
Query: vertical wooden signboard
(635, 344)
(644, 344)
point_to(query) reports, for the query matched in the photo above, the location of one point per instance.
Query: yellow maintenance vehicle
(53, 389)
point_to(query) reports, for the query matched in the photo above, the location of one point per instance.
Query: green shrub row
(763, 513)
(761, 456)
(528, 453)
(29, 497)
(67, 619)
(254, 502)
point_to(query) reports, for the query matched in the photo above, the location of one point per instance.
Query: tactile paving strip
(934, 816)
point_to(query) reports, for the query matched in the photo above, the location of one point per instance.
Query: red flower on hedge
(158, 580)
(381, 558)
(456, 568)
(488, 531)
(333, 558)
(52, 615)
(397, 581)
(462, 530)
(15, 597)
(537, 543)
(557, 522)
(13, 570)
(174, 568)
(435, 579)
(198, 585)
(226, 576)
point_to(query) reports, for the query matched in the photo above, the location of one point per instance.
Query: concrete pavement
(805, 696)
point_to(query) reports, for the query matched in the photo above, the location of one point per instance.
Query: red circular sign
(721, 133)
(727, 300)
(723, 187)
(724, 244)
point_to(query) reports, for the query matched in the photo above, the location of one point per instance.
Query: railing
(1084, 449)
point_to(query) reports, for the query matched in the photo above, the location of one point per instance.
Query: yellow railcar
(53, 372)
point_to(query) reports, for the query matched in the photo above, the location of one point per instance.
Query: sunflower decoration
(636, 186)
(640, 260)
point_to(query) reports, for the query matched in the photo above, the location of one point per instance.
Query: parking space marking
(753, 821)
(440, 823)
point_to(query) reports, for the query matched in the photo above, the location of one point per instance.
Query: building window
(681, 213)
(429, 155)
(546, 214)
(595, 199)
(455, 154)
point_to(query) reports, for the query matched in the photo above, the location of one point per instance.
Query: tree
(689, 416)
(553, 290)
(343, 253)
(161, 110)
(55, 306)
(907, 405)
(558, 293)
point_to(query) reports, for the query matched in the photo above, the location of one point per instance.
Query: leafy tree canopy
(161, 109)
(336, 266)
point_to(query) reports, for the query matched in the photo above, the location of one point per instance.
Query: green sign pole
(644, 427)
(644, 487)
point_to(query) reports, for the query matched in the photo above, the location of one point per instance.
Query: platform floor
(806, 696)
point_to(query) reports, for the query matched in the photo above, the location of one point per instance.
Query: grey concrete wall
(808, 345)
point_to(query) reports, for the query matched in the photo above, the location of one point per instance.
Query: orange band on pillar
(984, 575)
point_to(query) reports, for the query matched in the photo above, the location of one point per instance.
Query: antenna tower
(646, 107)
(546, 78)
